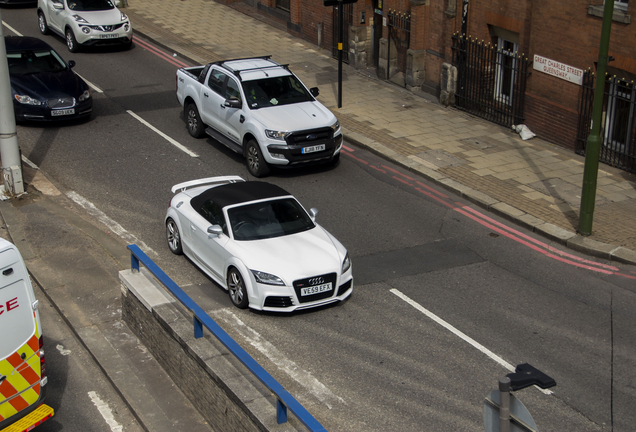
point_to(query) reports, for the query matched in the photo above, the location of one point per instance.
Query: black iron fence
(618, 121)
(347, 19)
(491, 81)
(399, 25)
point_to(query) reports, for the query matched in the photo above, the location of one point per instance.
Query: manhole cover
(477, 142)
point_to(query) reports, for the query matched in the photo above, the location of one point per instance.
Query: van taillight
(42, 362)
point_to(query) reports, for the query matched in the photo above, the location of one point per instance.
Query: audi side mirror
(215, 230)
(313, 212)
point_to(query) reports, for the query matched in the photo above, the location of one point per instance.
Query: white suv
(85, 22)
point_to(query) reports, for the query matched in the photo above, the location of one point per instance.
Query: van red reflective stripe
(23, 368)
(34, 343)
(7, 390)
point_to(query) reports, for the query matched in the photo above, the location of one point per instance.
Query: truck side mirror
(233, 103)
(314, 91)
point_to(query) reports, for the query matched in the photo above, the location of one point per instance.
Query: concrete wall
(228, 396)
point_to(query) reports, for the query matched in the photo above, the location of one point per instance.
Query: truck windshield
(269, 92)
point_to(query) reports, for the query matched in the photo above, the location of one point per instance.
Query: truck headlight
(335, 127)
(277, 135)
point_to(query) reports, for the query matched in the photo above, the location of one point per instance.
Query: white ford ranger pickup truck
(261, 110)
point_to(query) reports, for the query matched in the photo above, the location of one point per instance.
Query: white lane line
(163, 135)
(458, 333)
(90, 84)
(304, 378)
(111, 224)
(11, 28)
(106, 412)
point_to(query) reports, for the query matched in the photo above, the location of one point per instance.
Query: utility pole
(9, 150)
(593, 146)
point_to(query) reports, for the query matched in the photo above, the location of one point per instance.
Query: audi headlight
(85, 96)
(79, 19)
(335, 127)
(346, 264)
(277, 135)
(27, 100)
(266, 278)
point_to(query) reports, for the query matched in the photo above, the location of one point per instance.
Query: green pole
(593, 146)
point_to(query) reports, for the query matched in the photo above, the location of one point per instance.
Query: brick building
(541, 56)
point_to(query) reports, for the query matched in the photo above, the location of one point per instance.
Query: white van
(22, 369)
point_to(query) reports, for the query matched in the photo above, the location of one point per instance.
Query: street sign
(520, 418)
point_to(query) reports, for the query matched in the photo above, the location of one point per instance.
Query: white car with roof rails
(261, 110)
(85, 22)
(258, 242)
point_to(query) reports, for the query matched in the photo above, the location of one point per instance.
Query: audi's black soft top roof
(240, 192)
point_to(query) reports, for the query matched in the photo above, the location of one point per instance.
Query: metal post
(9, 149)
(504, 404)
(593, 146)
(340, 31)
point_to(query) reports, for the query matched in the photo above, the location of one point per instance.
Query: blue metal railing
(284, 400)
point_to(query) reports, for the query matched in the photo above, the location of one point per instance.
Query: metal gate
(347, 20)
(491, 81)
(618, 122)
(399, 25)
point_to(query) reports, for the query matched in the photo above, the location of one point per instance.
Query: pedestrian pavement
(533, 183)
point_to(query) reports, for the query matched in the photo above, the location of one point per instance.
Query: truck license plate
(315, 289)
(313, 149)
(63, 112)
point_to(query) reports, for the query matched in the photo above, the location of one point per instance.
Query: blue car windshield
(31, 62)
(269, 219)
(269, 92)
(90, 5)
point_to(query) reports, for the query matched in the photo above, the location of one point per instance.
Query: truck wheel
(256, 165)
(195, 125)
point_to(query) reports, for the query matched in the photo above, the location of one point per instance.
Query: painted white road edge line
(11, 28)
(163, 135)
(90, 84)
(111, 224)
(106, 412)
(304, 378)
(461, 335)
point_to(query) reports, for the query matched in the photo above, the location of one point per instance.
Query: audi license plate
(313, 149)
(109, 36)
(63, 112)
(315, 289)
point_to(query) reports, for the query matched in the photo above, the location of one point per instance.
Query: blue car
(43, 86)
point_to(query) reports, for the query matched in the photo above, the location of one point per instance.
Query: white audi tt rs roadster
(259, 243)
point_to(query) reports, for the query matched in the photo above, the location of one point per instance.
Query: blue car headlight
(85, 96)
(266, 278)
(27, 100)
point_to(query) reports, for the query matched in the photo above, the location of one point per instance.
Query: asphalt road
(445, 299)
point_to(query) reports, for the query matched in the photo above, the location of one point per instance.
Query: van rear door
(20, 367)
